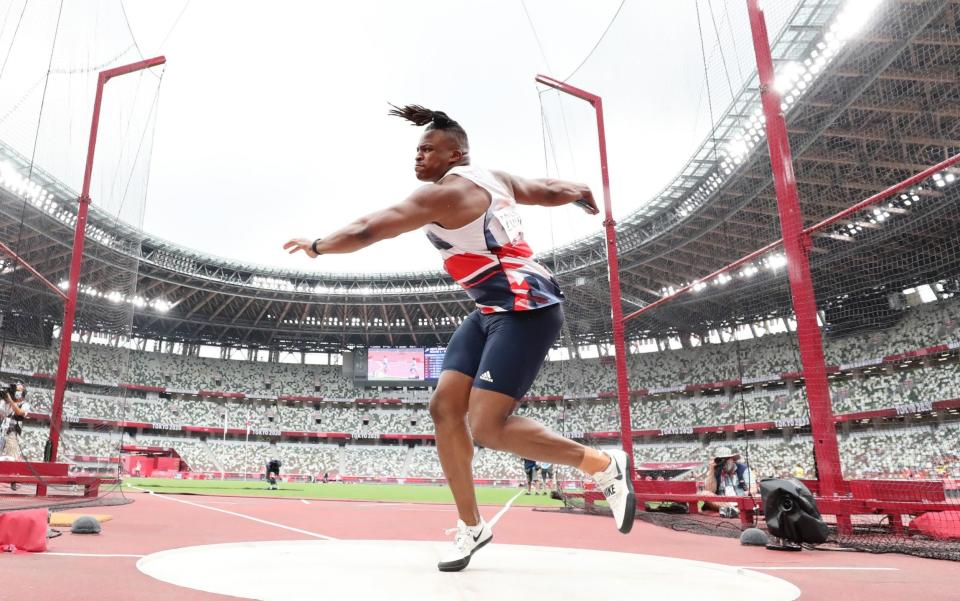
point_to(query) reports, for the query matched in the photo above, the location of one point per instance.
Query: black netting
(45, 115)
(718, 368)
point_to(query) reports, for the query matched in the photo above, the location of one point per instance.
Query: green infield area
(403, 493)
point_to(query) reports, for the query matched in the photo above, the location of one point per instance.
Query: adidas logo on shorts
(486, 377)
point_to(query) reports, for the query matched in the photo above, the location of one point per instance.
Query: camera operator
(13, 410)
(727, 477)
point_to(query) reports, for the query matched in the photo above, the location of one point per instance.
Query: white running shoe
(617, 485)
(469, 540)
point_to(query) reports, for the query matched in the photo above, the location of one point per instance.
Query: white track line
(825, 568)
(304, 501)
(235, 514)
(500, 513)
(90, 554)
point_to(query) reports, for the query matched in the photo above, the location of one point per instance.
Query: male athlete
(468, 214)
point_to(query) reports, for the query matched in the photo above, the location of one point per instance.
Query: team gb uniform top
(489, 258)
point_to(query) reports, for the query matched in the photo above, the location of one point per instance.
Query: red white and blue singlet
(489, 258)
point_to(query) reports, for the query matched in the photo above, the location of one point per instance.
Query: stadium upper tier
(863, 112)
(918, 391)
(895, 394)
(910, 368)
(932, 325)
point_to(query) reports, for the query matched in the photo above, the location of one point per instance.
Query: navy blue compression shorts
(503, 352)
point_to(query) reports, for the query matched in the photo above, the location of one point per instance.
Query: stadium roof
(863, 111)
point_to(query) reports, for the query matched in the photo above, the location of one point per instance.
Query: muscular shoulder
(505, 178)
(438, 196)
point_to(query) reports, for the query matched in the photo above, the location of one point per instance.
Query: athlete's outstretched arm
(425, 205)
(549, 192)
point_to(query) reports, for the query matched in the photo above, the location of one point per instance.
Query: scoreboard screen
(400, 364)
(397, 366)
(433, 359)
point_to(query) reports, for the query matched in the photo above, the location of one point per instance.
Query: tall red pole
(613, 265)
(79, 237)
(796, 244)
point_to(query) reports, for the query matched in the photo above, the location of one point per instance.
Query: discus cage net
(863, 406)
(51, 80)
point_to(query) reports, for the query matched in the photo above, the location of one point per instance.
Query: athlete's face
(437, 151)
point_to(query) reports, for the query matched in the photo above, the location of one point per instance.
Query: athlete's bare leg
(494, 428)
(448, 408)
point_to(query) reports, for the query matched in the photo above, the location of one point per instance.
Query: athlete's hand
(586, 201)
(295, 244)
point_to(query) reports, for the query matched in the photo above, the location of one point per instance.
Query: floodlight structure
(70, 304)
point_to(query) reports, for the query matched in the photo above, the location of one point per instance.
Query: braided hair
(420, 116)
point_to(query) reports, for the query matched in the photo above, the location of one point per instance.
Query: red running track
(155, 523)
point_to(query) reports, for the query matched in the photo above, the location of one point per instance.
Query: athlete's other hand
(304, 244)
(586, 201)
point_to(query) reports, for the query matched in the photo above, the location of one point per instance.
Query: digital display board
(395, 364)
(433, 360)
(384, 366)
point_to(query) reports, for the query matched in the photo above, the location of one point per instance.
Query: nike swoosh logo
(477, 537)
(619, 473)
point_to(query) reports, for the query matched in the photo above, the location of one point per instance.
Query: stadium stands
(675, 391)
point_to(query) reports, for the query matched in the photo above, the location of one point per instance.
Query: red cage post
(613, 265)
(796, 244)
(832, 497)
(79, 237)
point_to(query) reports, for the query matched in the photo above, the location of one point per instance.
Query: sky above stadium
(272, 117)
(273, 120)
